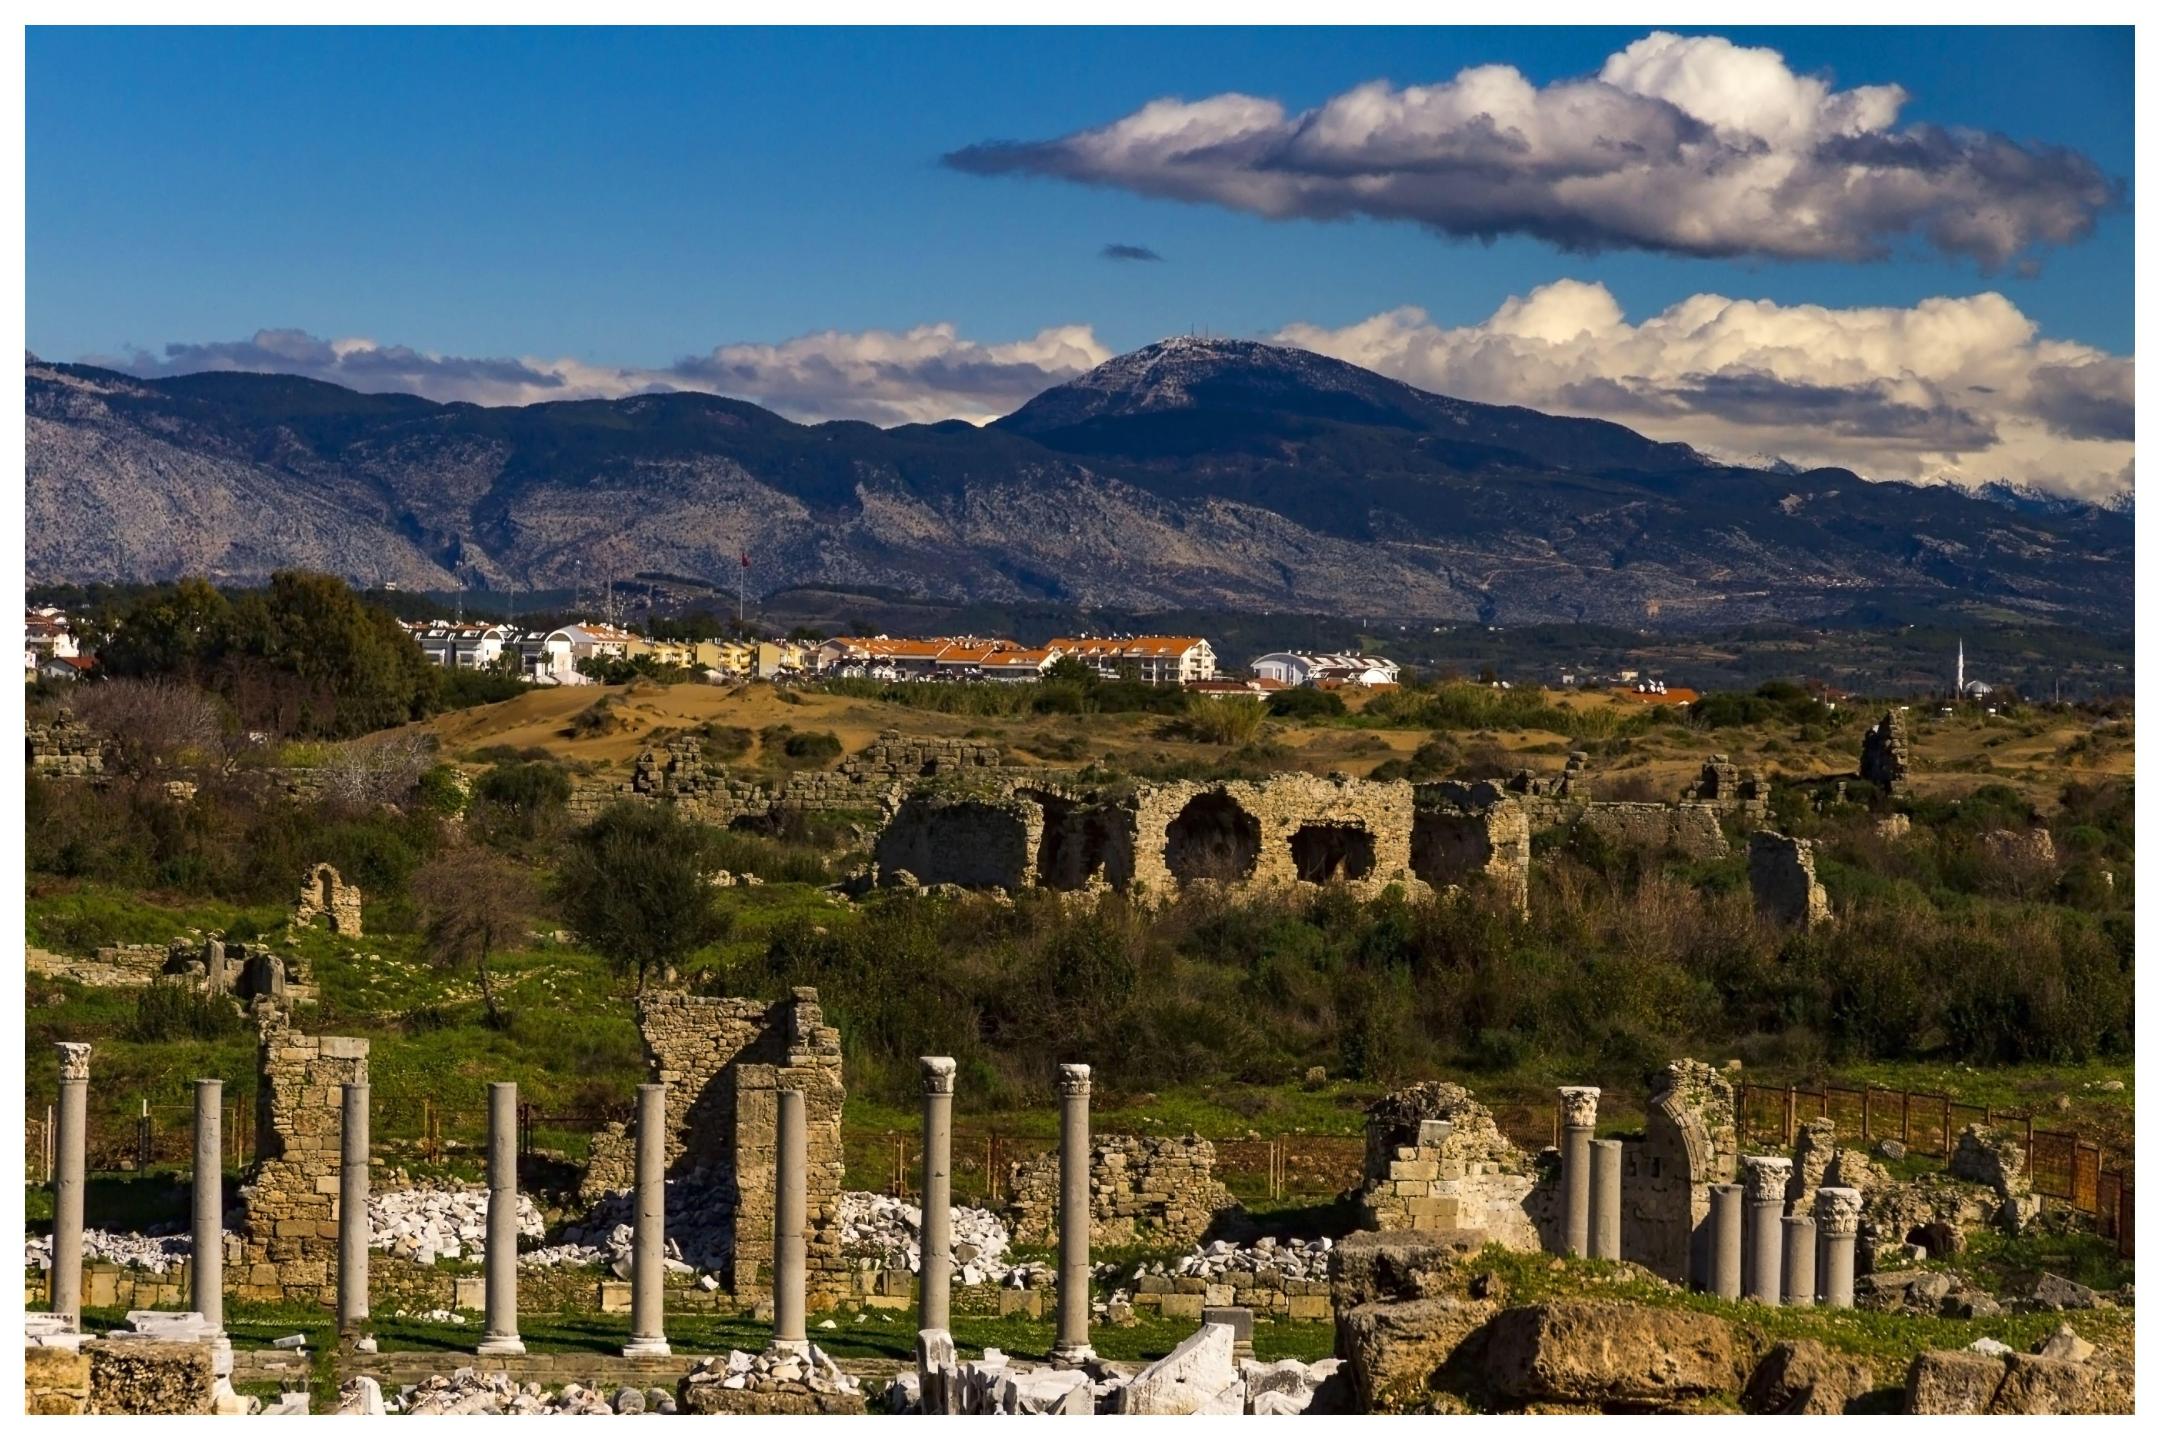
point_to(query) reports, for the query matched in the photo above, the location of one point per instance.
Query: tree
(633, 887)
(312, 628)
(175, 633)
(473, 903)
(150, 726)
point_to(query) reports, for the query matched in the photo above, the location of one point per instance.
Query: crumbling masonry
(1161, 1190)
(724, 1062)
(328, 895)
(1781, 875)
(288, 1245)
(1156, 839)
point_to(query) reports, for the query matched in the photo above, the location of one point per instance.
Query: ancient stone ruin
(1435, 1160)
(289, 1235)
(1156, 839)
(1157, 1189)
(1781, 876)
(325, 894)
(1885, 756)
(1689, 1144)
(243, 971)
(1729, 789)
(723, 1062)
(62, 747)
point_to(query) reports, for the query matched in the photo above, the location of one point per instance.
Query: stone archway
(1212, 838)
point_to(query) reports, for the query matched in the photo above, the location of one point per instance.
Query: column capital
(1837, 1210)
(1075, 1079)
(937, 1074)
(1578, 1106)
(74, 1059)
(1765, 1177)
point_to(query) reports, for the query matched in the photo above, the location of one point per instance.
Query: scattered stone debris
(155, 1253)
(431, 1223)
(889, 1231)
(469, 1391)
(779, 1381)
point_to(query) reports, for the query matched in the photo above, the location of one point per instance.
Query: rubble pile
(1202, 1376)
(889, 1231)
(1291, 1259)
(700, 1230)
(433, 1223)
(154, 1253)
(810, 1372)
(467, 1391)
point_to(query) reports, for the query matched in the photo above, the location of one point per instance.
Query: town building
(1327, 671)
(1151, 659)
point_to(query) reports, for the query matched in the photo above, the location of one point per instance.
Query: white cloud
(887, 377)
(1692, 145)
(1960, 389)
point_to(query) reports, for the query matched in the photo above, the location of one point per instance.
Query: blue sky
(630, 198)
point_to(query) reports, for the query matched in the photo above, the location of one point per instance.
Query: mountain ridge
(1225, 474)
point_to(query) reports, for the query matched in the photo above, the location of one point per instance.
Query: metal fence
(2059, 1164)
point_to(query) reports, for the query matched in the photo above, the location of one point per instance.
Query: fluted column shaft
(1765, 1177)
(1578, 1122)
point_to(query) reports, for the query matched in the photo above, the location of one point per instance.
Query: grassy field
(1953, 754)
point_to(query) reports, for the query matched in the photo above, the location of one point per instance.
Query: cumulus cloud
(1685, 144)
(887, 377)
(1128, 252)
(1957, 389)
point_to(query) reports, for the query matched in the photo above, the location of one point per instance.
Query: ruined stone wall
(1886, 754)
(1434, 1160)
(1690, 828)
(723, 1061)
(1781, 876)
(871, 780)
(290, 1195)
(325, 894)
(61, 747)
(1460, 833)
(1158, 1188)
(977, 840)
(1729, 789)
(1277, 832)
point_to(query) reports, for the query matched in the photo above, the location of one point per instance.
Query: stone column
(1837, 1225)
(1605, 1199)
(791, 1257)
(648, 1244)
(501, 1337)
(207, 1265)
(1075, 1215)
(1578, 1122)
(1766, 1176)
(1799, 1260)
(65, 1278)
(352, 1230)
(1728, 1206)
(934, 1300)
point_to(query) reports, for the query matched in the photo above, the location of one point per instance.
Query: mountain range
(1190, 474)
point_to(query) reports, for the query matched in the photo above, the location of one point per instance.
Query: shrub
(176, 1010)
(1306, 704)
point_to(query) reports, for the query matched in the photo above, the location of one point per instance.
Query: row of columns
(1075, 1208)
(1760, 1253)
(1757, 1251)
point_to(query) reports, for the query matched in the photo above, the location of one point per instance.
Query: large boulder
(1392, 1349)
(1598, 1352)
(1801, 1377)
